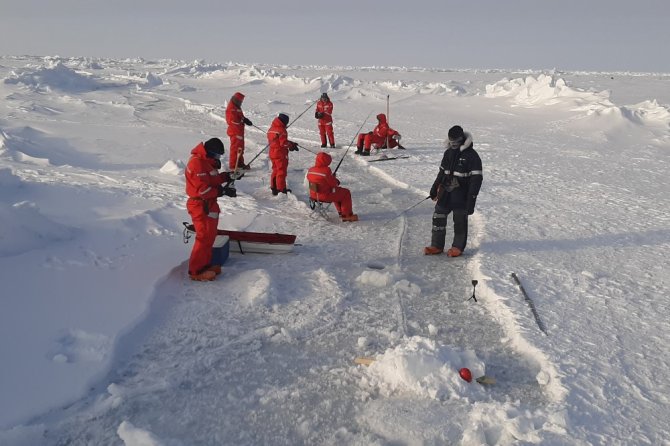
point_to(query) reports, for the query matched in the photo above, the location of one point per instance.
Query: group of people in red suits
(204, 182)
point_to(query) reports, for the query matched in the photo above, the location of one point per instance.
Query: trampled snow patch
(421, 367)
(497, 424)
(251, 287)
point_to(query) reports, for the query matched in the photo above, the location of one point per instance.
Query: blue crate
(221, 250)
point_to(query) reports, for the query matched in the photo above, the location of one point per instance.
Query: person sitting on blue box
(204, 183)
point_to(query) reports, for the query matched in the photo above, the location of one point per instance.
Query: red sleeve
(331, 180)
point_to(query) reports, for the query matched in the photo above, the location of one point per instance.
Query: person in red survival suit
(204, 184)
(382, 137)
(236, 122)
(328, 188)
(279, 148)
(324, 113)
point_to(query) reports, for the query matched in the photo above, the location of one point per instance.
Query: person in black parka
(455, 190)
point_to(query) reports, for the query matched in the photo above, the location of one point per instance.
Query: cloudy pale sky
(607, 35)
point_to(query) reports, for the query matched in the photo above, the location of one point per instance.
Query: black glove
(247, 121)
(217, 164)
(470, 205)
(293, 147)
(433, 192)
(318, 115)
(227, 191)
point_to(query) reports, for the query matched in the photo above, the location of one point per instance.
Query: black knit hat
(214, 146)
(283, 118)
(324, 96)
(456, 133)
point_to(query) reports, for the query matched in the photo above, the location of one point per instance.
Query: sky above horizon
(595, 35)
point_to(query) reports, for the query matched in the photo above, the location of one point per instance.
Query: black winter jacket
(465, 167)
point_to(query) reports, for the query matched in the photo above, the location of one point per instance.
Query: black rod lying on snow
(540, 325)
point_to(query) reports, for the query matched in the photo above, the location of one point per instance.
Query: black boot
(323, 145)
(275, 191)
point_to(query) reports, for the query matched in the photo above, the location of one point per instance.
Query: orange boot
(216, 269)
(454, 252)
(204, 276)
(432, 250)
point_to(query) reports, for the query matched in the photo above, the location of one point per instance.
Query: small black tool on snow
(474, 287)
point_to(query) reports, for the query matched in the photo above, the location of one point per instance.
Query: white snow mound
(54, 75)
(544, 90)
(133, 436)
(419, 366)
(375, 278)
(175, 168)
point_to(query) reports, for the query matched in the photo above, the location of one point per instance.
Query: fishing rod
(289, 125)
(310, 151)
(408, 209)
(352, 142)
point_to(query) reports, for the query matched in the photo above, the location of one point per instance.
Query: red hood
(199, 150)
(276, 122)
(381, 118)
(322, 160)
(237, 99)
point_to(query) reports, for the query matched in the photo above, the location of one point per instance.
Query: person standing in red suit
(382, 137)
(279, 148)
(328, 188)
(236, 122)
(324, 113)
(204, 184)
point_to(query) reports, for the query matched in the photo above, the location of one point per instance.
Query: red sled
(257, 242)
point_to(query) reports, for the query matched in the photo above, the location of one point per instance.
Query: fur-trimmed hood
(467, 143)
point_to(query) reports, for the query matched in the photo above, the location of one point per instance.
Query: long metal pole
(352, 141)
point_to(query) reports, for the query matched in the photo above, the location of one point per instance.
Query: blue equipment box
(220, 250)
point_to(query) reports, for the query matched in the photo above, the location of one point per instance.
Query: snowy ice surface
(104, 340)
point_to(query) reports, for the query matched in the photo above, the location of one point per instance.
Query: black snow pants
(439, 232)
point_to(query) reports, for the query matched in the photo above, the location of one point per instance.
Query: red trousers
(366, 140)
(341, 198)
(279, 171)
(326, 128)
(236, 147)
(206, 225)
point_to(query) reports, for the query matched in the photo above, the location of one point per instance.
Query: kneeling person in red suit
(328, 188)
